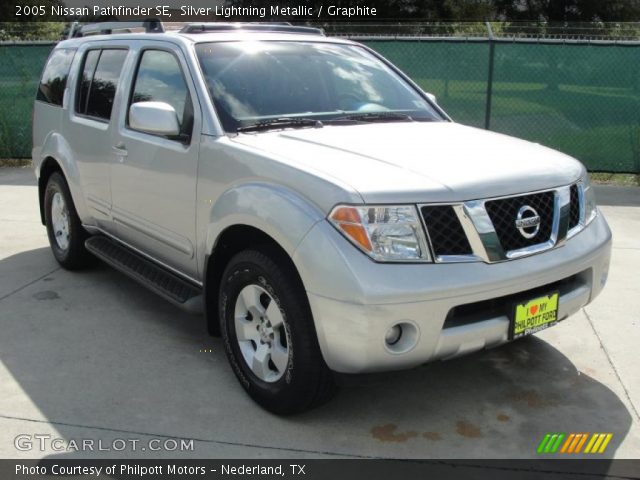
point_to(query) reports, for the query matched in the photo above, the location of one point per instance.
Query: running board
(168, 285)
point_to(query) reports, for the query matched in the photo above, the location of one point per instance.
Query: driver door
(154, 176)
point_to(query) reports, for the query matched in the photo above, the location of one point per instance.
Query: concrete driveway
(93, 355)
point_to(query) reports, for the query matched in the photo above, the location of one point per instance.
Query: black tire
(307, 381)
(75, 255)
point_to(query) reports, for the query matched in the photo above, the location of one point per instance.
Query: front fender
(279, 212)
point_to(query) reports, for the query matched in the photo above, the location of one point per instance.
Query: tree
(555, 11)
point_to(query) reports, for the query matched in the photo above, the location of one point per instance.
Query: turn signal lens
(348, 221)
(386, 233)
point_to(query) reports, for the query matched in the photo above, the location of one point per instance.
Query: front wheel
(269, 335)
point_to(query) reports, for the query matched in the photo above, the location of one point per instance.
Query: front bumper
(355, 301)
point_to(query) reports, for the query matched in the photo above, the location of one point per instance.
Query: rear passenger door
(90, 129)
(154, 176)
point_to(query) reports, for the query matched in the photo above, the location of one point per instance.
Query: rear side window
(54, 77)
(160, 79)
(100, 74)
(88, 69)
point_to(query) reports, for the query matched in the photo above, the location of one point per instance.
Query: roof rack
(150, 25)
(282, 27)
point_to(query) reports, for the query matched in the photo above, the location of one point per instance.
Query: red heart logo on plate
(533, 309)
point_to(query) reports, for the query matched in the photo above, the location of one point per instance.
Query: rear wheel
(65, 232)
(269, 335)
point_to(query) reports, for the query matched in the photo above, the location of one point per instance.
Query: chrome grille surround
(484, 240)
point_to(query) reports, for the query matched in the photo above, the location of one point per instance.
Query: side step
(157, 279)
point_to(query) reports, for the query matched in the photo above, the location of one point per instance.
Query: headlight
(589, 201)
(385, 233)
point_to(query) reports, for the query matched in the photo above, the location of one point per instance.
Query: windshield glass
(258, 81)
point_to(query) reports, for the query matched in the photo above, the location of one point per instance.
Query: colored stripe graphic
(598, 443)
(556, 445)
(550, 443)
(578, 442)
(543, 443)
(581, 443)
(606, 441)
(568, 442)
(591, 442)
(574, 442)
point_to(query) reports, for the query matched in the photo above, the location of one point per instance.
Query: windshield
(259, 81)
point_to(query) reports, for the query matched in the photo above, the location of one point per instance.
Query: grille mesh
(445, 231)
(574, 207)
(503, 213)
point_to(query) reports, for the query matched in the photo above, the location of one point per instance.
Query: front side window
(253, 81)
(54, 77)
(160, 79)
(100, 74)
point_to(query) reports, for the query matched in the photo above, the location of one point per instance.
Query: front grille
(503, 214)
(574, 207)
(445, 231)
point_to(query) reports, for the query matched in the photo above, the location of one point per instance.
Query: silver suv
(323, 211)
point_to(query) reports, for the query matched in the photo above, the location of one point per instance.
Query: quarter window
(160, 79)
(89, 68)
(100, 74)
(54, 77)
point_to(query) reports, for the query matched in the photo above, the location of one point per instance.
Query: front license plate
(534, 315)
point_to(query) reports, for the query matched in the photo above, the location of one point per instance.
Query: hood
(420, 162)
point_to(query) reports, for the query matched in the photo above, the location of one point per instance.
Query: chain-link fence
(580, 97)
(20, 68)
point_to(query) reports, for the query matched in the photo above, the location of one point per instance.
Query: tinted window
(253, 81)
(102, 85)
(54, 78)
(88, 69)
(160, 79)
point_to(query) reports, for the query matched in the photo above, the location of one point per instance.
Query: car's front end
(377, 314)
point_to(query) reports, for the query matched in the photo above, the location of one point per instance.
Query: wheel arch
(47, 168)
(248, 215)
(56, 149)
(56, 155)
(231, 241)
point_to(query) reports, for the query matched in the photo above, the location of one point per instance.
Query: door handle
(120, 151)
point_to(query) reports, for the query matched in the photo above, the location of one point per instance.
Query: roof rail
(151, 25)
(283, 27)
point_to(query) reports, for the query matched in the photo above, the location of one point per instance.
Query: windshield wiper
(282, 122)
(377, 117)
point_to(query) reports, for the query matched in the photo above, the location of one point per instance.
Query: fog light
(393, 335)
(401, 338)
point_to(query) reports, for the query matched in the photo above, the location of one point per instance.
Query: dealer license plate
(534, 315)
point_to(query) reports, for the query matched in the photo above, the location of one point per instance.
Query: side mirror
(432, 97)
(158, 118)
